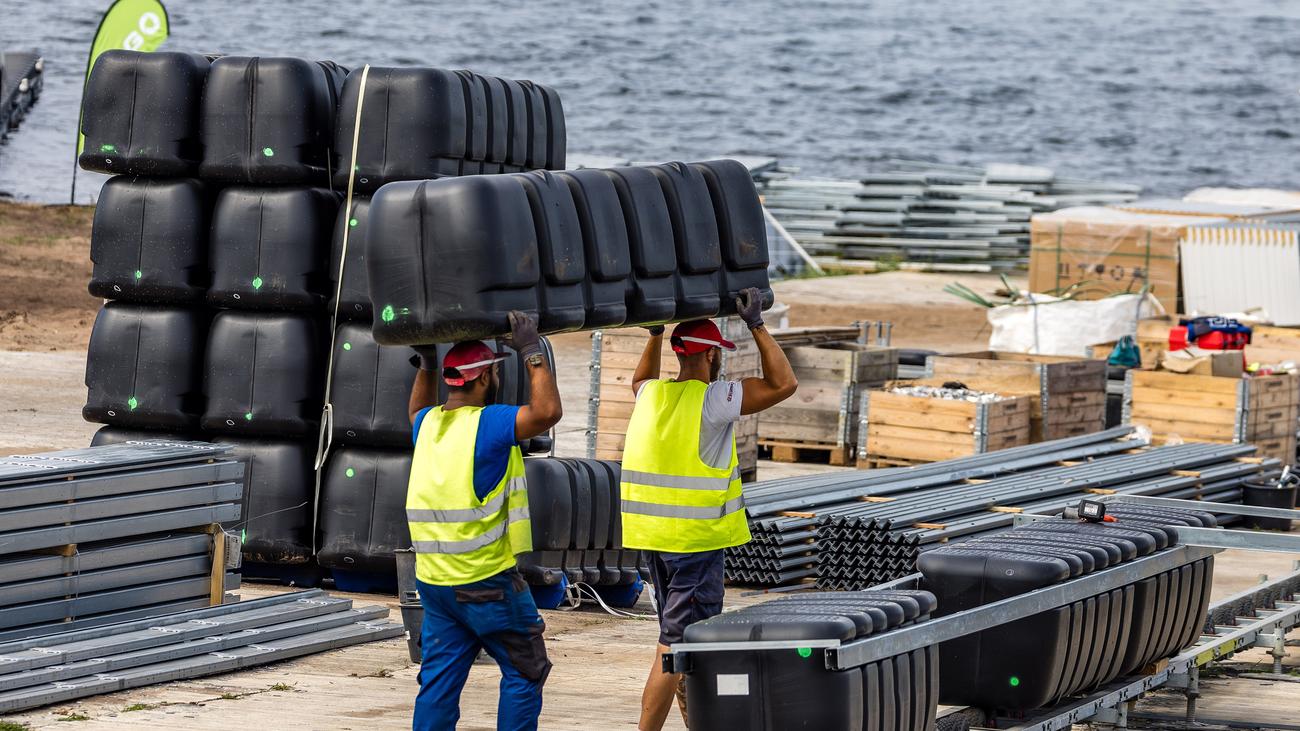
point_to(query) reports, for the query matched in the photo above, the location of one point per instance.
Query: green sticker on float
(387, 314)
(350, 472)
(248, 416)
(138, 274)
(347, 346)
(268, 152)
(132, 403)
(257, 282)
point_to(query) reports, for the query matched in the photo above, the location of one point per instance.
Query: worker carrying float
(680, 489)
(467, 507)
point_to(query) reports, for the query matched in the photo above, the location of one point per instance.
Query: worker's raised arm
(778, 382)
(424, 392)
(543, 409)
(648, 368)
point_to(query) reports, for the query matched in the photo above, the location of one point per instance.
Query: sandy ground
(600, 661)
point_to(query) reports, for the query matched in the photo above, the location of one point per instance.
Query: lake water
(1170, 94)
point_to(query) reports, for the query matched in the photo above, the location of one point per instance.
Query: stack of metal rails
(854, 529)
(927, 216)
(77, 664)
(105, 534)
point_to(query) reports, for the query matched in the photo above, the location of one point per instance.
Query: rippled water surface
(1172, 94)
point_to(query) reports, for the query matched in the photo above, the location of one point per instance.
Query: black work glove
(655, 330)
(425, 358)
(523, 334)
(749, 306)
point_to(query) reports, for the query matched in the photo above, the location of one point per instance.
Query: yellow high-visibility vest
(459, 539)
(671, 499)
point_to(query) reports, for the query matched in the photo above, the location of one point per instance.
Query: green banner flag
(136, 25)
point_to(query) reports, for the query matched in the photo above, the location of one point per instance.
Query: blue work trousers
(496, 614)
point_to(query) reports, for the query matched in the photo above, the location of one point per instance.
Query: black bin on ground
(269, 248)
(144, 367)
(263, 375)
(140, 113)
(363, 516)
(1076, 648)
(370, 390)
(277, 507)
(792, 688)
(269, 120)
(353, 292)
(149, 242)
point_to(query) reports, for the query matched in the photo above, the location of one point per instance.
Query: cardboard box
(1107, 251)
(1199, 362)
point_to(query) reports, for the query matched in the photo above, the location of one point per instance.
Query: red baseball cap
(467, 361)
(698, 336)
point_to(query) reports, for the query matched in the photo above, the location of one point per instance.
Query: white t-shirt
(718, 422)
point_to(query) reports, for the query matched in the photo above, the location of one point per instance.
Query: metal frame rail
(843, 655)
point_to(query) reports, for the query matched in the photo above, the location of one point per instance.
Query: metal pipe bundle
(858, 529)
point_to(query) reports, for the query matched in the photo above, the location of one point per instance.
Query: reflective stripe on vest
(465, 515)
(493, 535)
(671, 499)
(680, 511)
(677, 481)
(458, 538)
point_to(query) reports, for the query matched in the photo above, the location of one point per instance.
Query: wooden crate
(1260, 411)
(901, 428)
(823, 412)
(614, 357)
(1069, 394)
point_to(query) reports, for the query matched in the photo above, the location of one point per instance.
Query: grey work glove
(523, 334)
(749, 306)
(425, 358)
(655, 330)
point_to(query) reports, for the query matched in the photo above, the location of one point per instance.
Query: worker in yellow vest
(467, 509)
(680, 489)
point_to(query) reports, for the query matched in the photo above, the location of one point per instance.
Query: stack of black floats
(1080, 647)
(100, 535)
(448, 259)
(578, 532)
(218, 244)
(852, 530)
(773, 689)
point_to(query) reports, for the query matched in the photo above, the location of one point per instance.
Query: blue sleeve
(415, 427)
(496, 437)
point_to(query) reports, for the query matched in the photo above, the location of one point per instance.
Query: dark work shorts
(688, 588)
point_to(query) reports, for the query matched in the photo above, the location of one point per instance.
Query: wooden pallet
(878, 463)
(839, 455)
